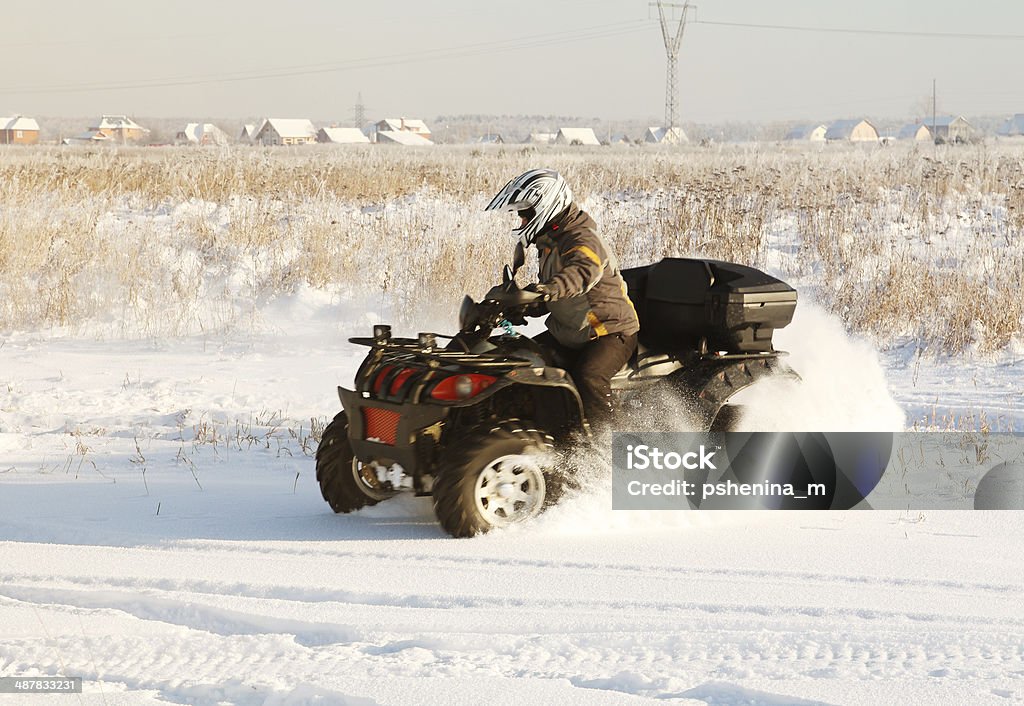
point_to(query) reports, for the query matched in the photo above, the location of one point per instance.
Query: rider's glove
(541, 289)
(536, 309)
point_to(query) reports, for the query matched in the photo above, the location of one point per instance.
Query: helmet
(541, 193)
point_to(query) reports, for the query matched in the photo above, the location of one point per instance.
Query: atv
(476, 422)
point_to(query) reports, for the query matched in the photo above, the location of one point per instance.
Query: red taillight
(396, 382)
(380, 425)
(461, 387)
(378, 379)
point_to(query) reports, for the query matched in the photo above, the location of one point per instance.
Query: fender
(710, 382)
(558, 382)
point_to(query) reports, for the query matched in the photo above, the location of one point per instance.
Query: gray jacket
(588, 295)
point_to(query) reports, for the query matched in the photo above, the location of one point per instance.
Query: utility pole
(672, 42)
(359, 114)
(935, 137)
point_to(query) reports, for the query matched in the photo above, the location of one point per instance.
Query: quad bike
(475, 422)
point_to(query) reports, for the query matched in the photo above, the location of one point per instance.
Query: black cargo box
(689, 303)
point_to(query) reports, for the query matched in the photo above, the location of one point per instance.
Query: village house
(19, 130)
(248, 134)
(916, 132)
(116, 128)
(665, 136)
(201, 134)
(851, 131)
(1013, 127)
(815, 132)
(341, 136)
(950, 128)
(576, 136)
(286, 131)
(417, 127)
(401, 137)
(88, 138)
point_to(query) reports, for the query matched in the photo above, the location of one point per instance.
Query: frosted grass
(906, 245)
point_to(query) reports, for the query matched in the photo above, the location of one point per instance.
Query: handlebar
(512, 295)
(504, 301)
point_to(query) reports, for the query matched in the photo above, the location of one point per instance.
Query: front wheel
(494, 476)
(346, 483)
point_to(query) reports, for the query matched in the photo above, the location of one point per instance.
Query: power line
(474, 49)
(138, 38)
(882, 32)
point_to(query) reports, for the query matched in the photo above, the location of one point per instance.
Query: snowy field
(164, 538)
(162, 535)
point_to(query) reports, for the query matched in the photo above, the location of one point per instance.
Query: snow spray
(842, 388)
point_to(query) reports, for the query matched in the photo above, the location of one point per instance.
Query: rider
(593, 324)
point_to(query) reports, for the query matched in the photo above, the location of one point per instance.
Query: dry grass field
(906, 244)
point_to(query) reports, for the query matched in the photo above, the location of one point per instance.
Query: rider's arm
(582, 266)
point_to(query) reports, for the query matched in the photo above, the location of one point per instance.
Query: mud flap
(710, 383)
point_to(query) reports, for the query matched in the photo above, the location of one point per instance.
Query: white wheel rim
(371, 489)
(509, 489)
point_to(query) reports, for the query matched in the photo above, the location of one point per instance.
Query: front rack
(411, 348)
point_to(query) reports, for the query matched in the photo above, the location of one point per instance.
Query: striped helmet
(539, 196)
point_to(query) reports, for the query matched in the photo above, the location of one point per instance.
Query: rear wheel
(494, 476)
(346, 483)
(728, 417)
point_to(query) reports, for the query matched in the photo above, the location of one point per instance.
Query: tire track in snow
(149, 600)
(646, 570)
(178, 663)
(182, 612)
(185, 636)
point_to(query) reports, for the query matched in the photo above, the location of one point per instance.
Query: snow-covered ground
(162, 536)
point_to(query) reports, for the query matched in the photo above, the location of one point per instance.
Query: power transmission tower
(672, 42)
(359, 113)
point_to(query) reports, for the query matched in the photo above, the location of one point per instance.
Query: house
(19, 130)
(417, 127)
(119, 128)
(576, 136)
(887, 135)
(286, 131)
(540, 138)
(916, 132)
(248, 133)
(950, 128)
(341, 136)
(490, 139)
(619, 139)
(88, 138)
(665, 135)
(851, 131)
(201, 134)
(1013, 127)
(815, 132)
(399, 137)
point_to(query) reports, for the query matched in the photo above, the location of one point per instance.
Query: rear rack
(744, 356)
(412, 349)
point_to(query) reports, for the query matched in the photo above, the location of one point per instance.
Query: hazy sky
(588, 58)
